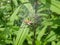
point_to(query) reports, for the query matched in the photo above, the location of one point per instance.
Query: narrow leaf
(41, 33)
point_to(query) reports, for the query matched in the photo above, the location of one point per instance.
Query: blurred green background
(18, 22)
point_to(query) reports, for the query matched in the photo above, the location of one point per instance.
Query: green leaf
(43, 1)
(28, 6)
(38, 42)
(51, 37)
(22, 33)
(53, 43)
(14, 15)
(15, 2)
(58, 43)
(55, 6)
(56, 21)
(41, 33)
(29, 39)
(2, 29)
(23, 1)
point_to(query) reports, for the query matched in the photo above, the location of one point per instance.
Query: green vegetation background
(16, 16)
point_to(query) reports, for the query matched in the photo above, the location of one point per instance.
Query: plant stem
(35, 6)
